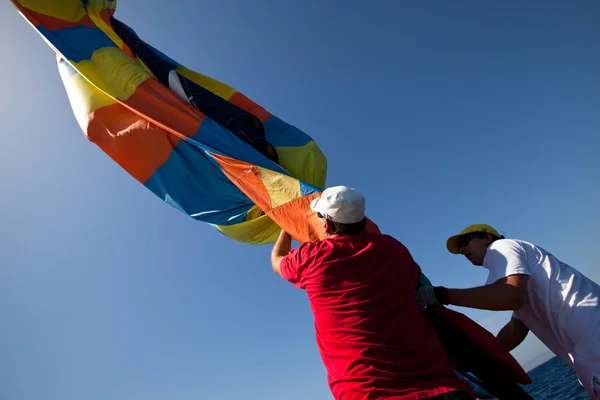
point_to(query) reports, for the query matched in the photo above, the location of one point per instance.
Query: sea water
(555, 380)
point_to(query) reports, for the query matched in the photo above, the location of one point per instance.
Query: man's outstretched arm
(508, 293)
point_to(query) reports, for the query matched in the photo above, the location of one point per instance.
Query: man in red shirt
(372, 338)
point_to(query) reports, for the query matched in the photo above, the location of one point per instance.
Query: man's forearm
(512, 334)
(283, 245)
(281, 249)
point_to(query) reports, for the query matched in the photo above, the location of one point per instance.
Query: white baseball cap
(340, 204)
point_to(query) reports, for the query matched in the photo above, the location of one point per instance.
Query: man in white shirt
(556, 302)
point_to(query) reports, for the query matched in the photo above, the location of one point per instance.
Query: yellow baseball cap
(453, 242)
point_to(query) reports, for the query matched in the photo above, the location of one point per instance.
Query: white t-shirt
(564, 306)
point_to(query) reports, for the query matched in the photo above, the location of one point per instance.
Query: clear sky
(443, 113)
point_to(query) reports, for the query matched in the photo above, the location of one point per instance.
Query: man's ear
(327, 226)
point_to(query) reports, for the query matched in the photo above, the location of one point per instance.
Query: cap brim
(453, 243)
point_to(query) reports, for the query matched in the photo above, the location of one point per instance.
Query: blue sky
(444, 114)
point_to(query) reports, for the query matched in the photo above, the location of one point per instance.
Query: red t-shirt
(372, 338)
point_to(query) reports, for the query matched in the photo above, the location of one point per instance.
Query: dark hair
(479, 235)
(347, 229)
(483, 235)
